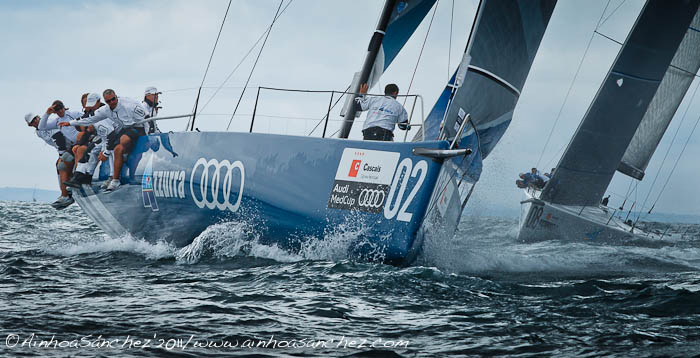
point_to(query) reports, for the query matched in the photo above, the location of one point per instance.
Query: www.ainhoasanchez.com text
(31, 341)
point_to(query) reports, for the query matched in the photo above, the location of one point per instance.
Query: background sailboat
(645, 85)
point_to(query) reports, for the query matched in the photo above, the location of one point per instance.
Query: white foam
(334, 245)
(490, 245)
(152, 251)
(231, 239)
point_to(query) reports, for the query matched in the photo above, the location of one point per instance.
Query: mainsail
(663, 106)
(405, 19)
(498, 58)
(594, 153)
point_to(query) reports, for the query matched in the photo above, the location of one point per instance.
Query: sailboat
(621, 129)
(391, 195)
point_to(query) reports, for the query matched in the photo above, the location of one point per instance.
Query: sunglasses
(110, 100)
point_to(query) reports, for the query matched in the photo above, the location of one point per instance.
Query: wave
(152, 251)
(490, 245)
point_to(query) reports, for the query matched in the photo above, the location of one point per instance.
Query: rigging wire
(611, 14)
(627, 194)
(449, 51)
(203, 87)
(425, 40)
(571, 86)
(243, 59)
(255, 63)
(333, 106)
(668, 150)
(196, 102)
(677, 160)
(636, 184)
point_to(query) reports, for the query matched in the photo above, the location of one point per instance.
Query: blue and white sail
(406, 16)
(663, 106)
(398, 21)
(488, 82)
(596, 149)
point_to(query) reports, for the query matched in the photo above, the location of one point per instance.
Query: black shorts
(113, 140)
(133, 133)
(61, 142)
(378, 133)
(86, 138)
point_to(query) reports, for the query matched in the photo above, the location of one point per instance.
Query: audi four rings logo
(211, 187)
(371, 198)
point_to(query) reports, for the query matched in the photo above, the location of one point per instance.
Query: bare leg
(64, 175)
(118, 161)
(61, 179)
(123, 147)
(79, 151)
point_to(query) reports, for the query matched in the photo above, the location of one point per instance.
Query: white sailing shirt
(128, 113)
(47, 136)
(382, 111)
(70, 133)
(151, 112)
(103, 128)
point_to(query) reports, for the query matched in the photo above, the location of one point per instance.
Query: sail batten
(603, 136)
(663, 106)
(495, 78)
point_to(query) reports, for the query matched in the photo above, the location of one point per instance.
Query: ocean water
(67, 290)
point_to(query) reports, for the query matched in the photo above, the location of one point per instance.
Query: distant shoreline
(28, 194)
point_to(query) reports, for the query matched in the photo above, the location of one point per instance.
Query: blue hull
(288, 188)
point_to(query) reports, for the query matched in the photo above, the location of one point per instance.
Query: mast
(373, 49)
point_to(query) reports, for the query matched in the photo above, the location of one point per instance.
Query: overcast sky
(59, 50)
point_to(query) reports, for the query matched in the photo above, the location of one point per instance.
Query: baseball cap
(92, 99)
(29, 116)
(151, 90)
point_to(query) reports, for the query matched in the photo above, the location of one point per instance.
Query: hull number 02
(396, 205)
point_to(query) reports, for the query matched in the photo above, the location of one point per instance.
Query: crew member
(150, 104)
(383, 113)
(539, 179)
(127, 118)
(87, 134)
(50, 137)
(550, 174)
(64, 144)
(98, 148)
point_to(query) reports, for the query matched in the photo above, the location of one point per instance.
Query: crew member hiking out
(64, 142)
(98, 147)
(383, 113)
(127, 118)
(51, 137)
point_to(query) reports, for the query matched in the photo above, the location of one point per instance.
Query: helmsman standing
(383, 113)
